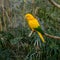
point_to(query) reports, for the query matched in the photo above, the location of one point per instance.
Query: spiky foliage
(15, 43)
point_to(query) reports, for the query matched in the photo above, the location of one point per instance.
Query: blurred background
(14, 41)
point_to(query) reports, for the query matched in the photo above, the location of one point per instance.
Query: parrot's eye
(28, 16)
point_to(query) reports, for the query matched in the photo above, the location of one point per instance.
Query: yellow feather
(41, 36)
(33, 23)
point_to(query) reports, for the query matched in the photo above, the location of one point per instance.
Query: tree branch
(54, 3)
(47, 35)
(51, 36)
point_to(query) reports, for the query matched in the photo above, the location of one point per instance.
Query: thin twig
(54, 3)
(36, 10)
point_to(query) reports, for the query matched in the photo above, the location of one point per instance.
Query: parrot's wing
(39, 30)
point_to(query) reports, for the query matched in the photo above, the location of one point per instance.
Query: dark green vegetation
(14, 41)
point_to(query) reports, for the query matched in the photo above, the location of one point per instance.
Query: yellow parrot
(34, 25)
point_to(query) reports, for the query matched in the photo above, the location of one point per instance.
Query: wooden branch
(51, 36)
(47, 35)
(54, 3)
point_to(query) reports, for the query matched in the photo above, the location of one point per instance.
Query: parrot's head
(29, 16)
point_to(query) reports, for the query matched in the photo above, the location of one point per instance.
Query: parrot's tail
(41, 36)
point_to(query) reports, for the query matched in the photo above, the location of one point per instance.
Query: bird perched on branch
(34, 25)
